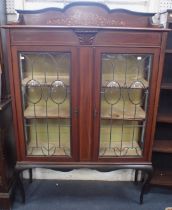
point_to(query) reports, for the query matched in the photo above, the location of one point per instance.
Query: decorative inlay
(86, 14)
(86, 19)
(86, 37)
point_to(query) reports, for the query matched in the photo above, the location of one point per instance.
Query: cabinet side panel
(12, 93)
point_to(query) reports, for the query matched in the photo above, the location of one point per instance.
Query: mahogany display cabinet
(84, 83)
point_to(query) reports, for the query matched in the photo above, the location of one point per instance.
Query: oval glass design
(135, 92)
(33, 91)
(112, 92)
(58, 92)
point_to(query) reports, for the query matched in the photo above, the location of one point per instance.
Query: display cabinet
(84, 83)
(162, 148)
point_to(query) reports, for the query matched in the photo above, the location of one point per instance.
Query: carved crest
(86, 37)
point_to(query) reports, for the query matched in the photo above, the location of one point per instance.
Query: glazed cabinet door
(45, 83)
(124, 99)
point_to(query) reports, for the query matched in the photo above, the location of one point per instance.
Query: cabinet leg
(147, 178)
(30, 175)
(136, 176)
(21, 187)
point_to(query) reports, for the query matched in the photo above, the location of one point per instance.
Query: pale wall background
(135, 5)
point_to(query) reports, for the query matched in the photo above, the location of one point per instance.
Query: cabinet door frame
(150, 114)
(19, 120)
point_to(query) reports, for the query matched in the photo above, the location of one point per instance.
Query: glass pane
(45, 79)
(124, 99)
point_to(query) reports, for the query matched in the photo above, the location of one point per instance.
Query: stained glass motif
(45, 79)
(124, 100)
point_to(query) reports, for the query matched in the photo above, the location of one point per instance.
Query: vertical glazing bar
(46, 112)
(126, 68)
(133, 132)
(122, 126)
(110, 134)
(123, 111)
(113, 67)
(47, 127)
(35, 126)
(138, 67)
(59, 136)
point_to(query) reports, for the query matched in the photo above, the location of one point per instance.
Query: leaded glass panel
(124, 100)
(45, 82)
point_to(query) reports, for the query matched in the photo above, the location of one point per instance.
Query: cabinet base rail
(145, 169)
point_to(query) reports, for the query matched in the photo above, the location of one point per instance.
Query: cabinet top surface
(86, 15)
(97, 28)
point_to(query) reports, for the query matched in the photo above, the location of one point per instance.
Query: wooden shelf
(166, 86)
(40, 111)
(162, 178)
(4, 103)
(127, 115)
(52, 112)
(164, 117)
(162, 146)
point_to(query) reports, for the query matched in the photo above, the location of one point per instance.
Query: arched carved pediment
(85, 14)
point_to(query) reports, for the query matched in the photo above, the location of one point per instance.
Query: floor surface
(90, 195)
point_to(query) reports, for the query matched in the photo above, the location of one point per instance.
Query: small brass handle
(76, 111)
(95, 113)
